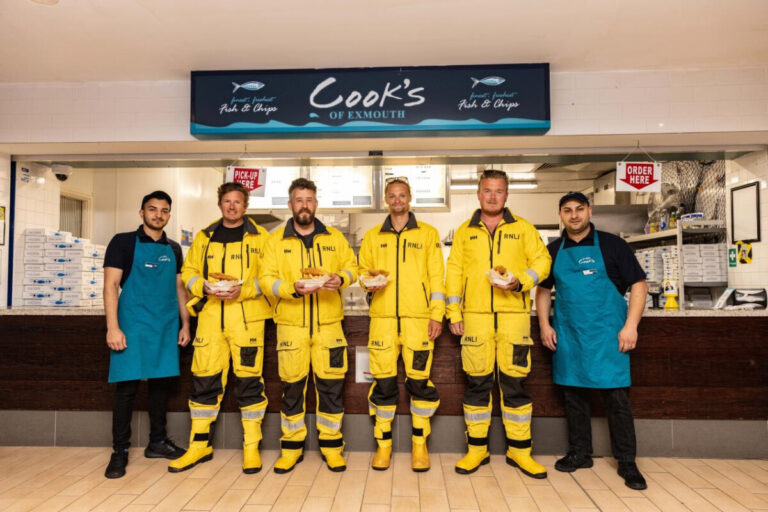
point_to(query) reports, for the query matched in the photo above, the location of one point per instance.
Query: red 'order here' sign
(638, 177)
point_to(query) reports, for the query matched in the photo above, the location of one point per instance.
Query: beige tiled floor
(71, 479)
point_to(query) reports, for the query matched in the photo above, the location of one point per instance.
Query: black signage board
(504, 99)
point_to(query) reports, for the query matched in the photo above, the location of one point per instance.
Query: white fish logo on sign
(493, 81)
(248, 86)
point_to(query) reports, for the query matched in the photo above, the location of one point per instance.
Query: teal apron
(148, 313)
(589, 313)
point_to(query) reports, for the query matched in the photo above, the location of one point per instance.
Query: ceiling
(98, 40)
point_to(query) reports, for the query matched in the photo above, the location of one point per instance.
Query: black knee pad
(421, 390)
(249, 391)
(330, 398)
(293, 397)
(513, 391)
(207, 389)
(478, 391)
(385, 391)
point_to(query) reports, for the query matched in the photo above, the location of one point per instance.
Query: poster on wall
(498, 99)
(427, 182)
(272, 190)
(251, 178)
(343, 187)
(638, 177)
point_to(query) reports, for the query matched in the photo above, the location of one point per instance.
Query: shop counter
(688, 365)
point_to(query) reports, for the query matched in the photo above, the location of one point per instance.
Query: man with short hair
(230, 325)
(493, 320)
(406, 317)
(143, 328)
(593, 332)
(308, 317)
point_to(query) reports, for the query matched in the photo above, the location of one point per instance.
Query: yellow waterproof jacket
(286, 255)
(515, 244)
(415, 264)
(242, 260)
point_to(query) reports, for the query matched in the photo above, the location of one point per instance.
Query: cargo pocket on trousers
(516, 360)
(476, 355)
(201, 357)
(420, 351)
(248, 359)
(291, 361)
(382, 358)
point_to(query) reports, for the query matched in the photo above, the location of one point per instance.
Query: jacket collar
(587, 240)
(475, 221)
(249, 226)
(387, 226)
(290, 230)
(144, 237)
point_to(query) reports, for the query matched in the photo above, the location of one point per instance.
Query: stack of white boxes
(670, 258)
(62, 271)
(652, 263)
(705, 263)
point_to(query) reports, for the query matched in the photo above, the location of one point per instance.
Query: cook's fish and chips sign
(503, 99)
(638, 177)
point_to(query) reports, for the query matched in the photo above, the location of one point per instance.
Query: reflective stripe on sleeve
(276, 287)
(191, 282)
(533, 275)
(453, 299)
(437, 296)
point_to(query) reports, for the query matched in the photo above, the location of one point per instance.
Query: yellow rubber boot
(251, 440)
(332, 455)
(476, 456)
(200, 447)
(382, 457)
(288, 460)
(419, 455)
(521, 458)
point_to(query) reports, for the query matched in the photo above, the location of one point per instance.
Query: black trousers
(122, 410)
(621, 425)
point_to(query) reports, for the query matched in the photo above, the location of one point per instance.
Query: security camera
(62, 172)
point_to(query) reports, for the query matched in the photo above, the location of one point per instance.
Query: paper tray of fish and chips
(219, 282)
(375, 278)
(499, 275)
(313, 278)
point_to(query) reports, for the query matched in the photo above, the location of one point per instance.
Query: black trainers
(631, 475)
(573, 461)
(165, 449)
(117, 463)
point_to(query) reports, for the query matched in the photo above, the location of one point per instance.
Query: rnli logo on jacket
(235, 257)
(375, 343)
(164, 258)
(255, 250)
(511, 236)
(284, 344)
(586, 260)
(328, 248)
(415, 245)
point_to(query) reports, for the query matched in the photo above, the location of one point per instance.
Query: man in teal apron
(593, 332)
(143, 326)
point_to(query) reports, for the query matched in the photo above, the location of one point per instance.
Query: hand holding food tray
(500, 276)
(218, 282)
(375, 278)
(313, 278)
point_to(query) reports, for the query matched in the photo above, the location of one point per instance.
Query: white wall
(750, 167)
(117, 203)
(609, 102)
(5, 200)
(535, 208)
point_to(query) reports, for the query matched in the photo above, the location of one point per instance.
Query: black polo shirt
(620, 261)
(120, 250)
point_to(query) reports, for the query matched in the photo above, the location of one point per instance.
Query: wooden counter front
(683, 368)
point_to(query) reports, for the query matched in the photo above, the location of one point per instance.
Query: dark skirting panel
(683, 368)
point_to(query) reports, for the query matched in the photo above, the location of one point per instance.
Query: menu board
(343, 187)
(428, 187)
(275, 189)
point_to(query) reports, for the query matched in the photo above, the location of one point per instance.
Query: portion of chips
(221, 277)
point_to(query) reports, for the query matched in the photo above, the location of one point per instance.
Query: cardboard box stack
(705, 263)
(652, 263)
(62, 271)
(670, 258)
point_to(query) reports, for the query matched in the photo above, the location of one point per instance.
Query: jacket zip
(242, 275)
(498, 248)
(319, 255)
(311, 301)
(423, 287)
(397, 279)
(223, 271)
(303, 297)
(490, 247)
(405, 245)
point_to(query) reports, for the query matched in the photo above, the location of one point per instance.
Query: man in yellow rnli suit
(308, 318)
(493, 320)
(406, 317)
(230, 324)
